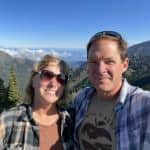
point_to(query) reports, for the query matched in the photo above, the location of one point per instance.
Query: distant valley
(24, 59)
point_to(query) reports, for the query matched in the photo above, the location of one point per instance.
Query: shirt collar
(26, 113)
(124, 91)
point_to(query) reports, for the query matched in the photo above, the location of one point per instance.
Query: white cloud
(9, 51)
(36, 54)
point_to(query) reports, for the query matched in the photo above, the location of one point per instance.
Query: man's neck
(109, 95)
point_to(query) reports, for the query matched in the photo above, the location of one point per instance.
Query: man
(112, 114)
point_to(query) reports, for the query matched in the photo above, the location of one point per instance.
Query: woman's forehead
(57, 64)
(53, 67)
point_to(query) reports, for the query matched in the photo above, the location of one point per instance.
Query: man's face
(105, 67)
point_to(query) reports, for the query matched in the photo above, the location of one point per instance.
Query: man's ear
(125, 65)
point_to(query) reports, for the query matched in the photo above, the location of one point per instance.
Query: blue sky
(70, 23)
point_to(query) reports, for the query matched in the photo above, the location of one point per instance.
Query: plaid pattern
(18, 130)
(132, 114)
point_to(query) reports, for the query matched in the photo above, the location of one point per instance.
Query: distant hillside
(138, 73)
(22, 66)
(141, 49)
(70, 55)
(143, 82)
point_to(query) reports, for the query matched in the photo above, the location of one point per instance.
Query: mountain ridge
(140, 49)
(23, 65)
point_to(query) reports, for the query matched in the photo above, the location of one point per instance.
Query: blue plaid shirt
(132, 115)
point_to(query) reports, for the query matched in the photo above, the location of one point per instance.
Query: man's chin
(103, 88)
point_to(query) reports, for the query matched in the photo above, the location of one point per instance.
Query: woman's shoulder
(13, 113)
(10, 120)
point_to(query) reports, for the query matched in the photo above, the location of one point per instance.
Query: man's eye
(109, 62)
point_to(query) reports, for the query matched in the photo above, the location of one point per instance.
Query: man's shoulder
(83, 95)
(86, 91)
(140, 99)
(138, 107)
(141, 94)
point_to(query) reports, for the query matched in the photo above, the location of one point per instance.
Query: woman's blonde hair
(46, 61)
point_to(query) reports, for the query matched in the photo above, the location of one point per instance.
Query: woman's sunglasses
(48, 75)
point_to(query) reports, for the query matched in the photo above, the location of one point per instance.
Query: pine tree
(2, 95)
(13, 94)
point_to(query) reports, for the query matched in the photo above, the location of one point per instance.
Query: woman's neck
(45, 109)
(45, 114)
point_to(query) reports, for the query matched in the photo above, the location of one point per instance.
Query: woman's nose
(53, 81)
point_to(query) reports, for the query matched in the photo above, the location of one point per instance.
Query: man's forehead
(104, 43)
(103, 51)
(97, 56)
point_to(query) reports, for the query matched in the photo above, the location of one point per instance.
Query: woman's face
(48, 85)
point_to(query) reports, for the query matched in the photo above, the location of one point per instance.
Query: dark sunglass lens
(46, 75)
(62, 78)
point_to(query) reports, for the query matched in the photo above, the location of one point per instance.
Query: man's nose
(101, 66)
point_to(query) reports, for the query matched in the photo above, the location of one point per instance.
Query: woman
(40, 124)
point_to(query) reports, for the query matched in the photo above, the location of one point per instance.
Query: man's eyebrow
(109, 58)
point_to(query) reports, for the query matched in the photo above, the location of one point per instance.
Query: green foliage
(2, 89)
(2, 95)
(138, 74)
(13, 94)
(22, 67)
